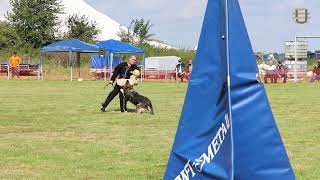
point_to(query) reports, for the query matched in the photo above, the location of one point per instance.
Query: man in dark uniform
(122, 71)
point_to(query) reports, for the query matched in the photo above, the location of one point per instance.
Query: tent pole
(105, 67)
(177, 75)
(143, 69)
(111, 61)
(8, 71)
(166, 73)
(78, 62)
(70, 63)
(226, 38)
(39, 66)
(295, 60)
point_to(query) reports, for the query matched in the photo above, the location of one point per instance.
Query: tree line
(35, 23)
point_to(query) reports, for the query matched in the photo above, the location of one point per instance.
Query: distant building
(302, 50)
(302, 68)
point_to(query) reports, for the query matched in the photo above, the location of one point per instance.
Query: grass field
(54, 130)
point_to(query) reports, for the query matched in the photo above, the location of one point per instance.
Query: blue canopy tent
(117, 47)
(70, 45)
(98, 63)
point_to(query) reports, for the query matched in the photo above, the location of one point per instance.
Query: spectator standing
(281, 71)
(189, 69)
(316, 73)
(270, 72)
(180, 70)
(14, 62)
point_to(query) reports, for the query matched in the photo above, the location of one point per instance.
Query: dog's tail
(150, 108)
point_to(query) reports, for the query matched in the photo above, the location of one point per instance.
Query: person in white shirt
(271, 73)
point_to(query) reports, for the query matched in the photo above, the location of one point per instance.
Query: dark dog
(142, 103)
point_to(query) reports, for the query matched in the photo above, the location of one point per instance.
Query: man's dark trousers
(112, 94)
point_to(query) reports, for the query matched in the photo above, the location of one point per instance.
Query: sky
(178, 22)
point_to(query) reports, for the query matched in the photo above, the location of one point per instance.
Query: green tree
(81, 28)
(138, 32)
(35, 20)
(141, 30)
(126, 35)
(8, 36)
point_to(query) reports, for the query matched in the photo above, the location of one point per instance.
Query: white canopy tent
(160, 67)
(161, 63)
